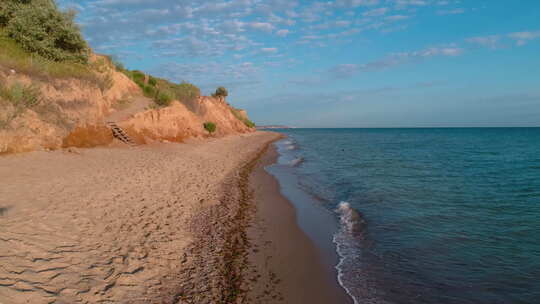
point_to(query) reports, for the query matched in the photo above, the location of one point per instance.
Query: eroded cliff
(56, 112)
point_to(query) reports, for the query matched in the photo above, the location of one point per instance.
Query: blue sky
(345, 63)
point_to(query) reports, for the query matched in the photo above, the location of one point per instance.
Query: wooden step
(120, 134)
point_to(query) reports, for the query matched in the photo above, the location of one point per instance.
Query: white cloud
(491, 41)
(348, 70)
(209, 74)
(401, 4)
(523, 38)
(355, 3)
(455, 11)
(282, 33)
(262, 26)
(375, 12)
(396, 18)
(269, 50)
(436, 51)
(343, 23)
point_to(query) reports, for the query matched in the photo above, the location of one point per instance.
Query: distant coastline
(273, 127)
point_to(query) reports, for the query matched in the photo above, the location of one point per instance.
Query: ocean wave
(349, 217)
(351, 268)
(290, 147)
(296, 162)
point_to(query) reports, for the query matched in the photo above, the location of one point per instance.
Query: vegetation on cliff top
(221, 92)
(39, 27)
(39, 40)
(242, 118)
(162, 91)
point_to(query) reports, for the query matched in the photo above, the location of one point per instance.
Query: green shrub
(152, 81)
(149, 91)
(25, 96)
(41, 28)
(186, 92)
(247, 122)
(7, 10)
(163, 92)
(138, 77)
(210, 127)
(13, 56)
(221, 92)
(163, 99)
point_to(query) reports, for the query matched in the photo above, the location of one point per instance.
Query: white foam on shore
(345, 211)
(348, 216)
(339, 268)
(296, 162)
(291, 147)
(350, 266)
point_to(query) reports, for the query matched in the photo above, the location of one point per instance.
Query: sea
(434, 215)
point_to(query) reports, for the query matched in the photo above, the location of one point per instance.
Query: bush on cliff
(39, 27)
(13, 56)
(152, 81)
(210, 127)
(163, 92)
(163, 99)
(185, 91)
(242, 118)
(19, 95)
(137, 77)
(221, 92)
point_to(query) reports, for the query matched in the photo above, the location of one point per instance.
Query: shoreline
(286, 265)
(201, 222)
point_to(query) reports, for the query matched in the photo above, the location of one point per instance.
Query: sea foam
(296, 162)
(349, 217)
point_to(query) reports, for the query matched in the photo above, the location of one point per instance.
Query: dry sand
(167, 223)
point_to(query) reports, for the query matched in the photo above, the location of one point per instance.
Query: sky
(344, 63)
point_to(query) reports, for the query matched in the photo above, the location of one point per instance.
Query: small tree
(221, 92)
(210, 127)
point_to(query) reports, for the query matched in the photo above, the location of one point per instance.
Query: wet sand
(285, 263)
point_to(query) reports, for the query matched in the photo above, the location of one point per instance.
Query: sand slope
(141, 225)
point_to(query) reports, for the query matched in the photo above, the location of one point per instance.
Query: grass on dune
(14, 57)
(247, 122)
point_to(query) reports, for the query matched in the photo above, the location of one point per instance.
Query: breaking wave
(296, 162)
(351, 267)
(349, 217)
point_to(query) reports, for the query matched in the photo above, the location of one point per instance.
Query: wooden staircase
(120, 134)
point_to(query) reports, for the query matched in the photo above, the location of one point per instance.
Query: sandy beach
(289, 266)
(164, 223)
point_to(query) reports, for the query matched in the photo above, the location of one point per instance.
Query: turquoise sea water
(428, 215)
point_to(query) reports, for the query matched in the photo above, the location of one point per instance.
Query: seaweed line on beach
(218, 258)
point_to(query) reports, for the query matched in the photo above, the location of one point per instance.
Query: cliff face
(73, 112)
(177, 122)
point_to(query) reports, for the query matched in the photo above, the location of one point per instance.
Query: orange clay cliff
(53, 112)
